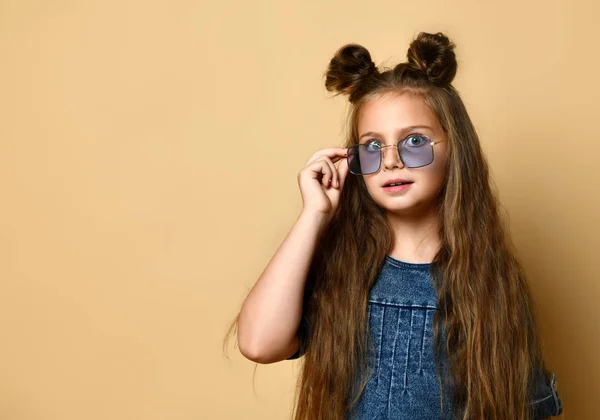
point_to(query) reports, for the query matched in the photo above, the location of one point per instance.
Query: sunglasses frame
(432, 143)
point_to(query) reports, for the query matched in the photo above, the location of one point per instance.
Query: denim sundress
(403, 382)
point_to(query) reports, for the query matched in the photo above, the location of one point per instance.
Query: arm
(272, 311)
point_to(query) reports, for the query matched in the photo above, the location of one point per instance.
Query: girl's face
(389, 119)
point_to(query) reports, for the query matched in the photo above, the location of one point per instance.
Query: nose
(391, 159)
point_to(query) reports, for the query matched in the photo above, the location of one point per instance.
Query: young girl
(399, 284)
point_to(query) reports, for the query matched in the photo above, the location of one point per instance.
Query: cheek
(371, 186)
(436, 171)
(435, 181)
(439, 160)
(434, 175)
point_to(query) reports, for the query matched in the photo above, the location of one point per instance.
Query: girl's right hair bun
(433, 54)
(348, 69)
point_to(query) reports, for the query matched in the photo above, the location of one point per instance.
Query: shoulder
(545, 401)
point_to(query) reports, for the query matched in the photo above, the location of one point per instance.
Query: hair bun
(348, 69)
(433, 54)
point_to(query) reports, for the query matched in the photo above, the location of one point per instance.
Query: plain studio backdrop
(149, 155)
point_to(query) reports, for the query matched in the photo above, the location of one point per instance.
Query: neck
(416, 235)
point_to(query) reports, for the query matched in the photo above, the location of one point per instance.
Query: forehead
(389, 113)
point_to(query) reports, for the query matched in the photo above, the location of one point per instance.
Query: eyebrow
(401, 131)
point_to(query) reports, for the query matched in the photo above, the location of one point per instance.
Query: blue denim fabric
(403, 382)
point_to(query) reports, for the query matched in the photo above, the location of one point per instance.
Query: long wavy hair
(484, 303)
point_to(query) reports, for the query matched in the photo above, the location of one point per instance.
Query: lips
(396, 181)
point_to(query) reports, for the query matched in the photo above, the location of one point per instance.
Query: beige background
(149, 154)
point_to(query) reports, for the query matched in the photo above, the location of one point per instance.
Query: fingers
(330, 176)
(326, 158)
(333, 153)
(342, 173)
(323, 168)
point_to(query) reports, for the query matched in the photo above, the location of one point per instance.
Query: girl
(399, 284)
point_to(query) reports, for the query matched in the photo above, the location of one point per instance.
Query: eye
(373, 145)
(416, 140)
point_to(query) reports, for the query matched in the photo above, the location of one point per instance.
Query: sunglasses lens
(363, 159)
(416, 151)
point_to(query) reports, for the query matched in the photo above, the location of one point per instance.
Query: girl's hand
(321, 183)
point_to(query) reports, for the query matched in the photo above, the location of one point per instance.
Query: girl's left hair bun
(433, 55)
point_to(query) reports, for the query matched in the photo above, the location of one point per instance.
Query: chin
(403, 204)
(397, 204)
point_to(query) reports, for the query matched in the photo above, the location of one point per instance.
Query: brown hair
(484, 303)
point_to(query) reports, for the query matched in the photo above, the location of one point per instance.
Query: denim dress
(403, 383)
